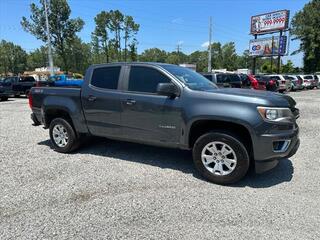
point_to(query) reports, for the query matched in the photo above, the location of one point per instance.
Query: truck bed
(41, 94)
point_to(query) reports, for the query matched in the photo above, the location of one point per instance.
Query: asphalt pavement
(116, 190)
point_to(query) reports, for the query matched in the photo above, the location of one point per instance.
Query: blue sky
(163, 23)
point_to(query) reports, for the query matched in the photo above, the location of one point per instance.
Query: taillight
(283, 82)
(30, 100)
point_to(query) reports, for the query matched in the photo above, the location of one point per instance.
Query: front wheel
(63, 136)
(4, 98)
(221, 157)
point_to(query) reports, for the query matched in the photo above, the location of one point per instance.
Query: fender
(68, 105)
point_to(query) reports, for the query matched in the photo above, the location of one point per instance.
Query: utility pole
(279, 56)
(271, 58)
(178, 51)
(254, 62)
(178, 48)
(209, 49)
(48, 40)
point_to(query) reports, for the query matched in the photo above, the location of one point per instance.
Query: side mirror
(167, 89)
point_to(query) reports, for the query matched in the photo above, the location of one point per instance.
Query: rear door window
(275, 77)
(145, 79)
(234, 78)
(106, 77)
(220, 78)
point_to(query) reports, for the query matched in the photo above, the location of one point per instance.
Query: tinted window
(8, 80)
(208, 77)
(145, 79)
(289, 78)
(308, 77)
(27, 79)
(316, 77)
(234, 78)
(106, 77)
(276, 77)
(221, 78)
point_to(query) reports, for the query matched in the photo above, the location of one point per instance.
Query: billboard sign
(268, 46)
(269, 22)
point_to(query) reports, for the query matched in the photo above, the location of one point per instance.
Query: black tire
(243, 160)
(281, 91)
(27, 93)
(4, 98)
(73, 141)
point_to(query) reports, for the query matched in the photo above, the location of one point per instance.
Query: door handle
(130, 102)
(92, 98)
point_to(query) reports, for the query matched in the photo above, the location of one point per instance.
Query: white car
(284, 84)
(308, 81)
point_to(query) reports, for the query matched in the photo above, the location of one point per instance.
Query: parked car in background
(224, 80)
(284, 84)
(271, 83)
(19, 85)
(61, 80)
(296, 82)
(251, 82)
(4, 95)
(308, 81)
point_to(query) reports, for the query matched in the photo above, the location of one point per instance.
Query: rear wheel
(4, 98)
(221, 157)
(62, 135)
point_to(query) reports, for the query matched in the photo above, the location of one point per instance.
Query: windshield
(190, 78)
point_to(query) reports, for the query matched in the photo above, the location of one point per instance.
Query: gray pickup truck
(165, 105)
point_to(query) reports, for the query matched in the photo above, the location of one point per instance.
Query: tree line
(114, 38)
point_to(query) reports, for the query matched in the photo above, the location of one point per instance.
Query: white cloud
(177, 21)
(205, 44)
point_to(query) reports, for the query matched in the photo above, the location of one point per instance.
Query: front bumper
(265, 155)
(263, 166)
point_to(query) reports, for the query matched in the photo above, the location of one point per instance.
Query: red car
(250, 80)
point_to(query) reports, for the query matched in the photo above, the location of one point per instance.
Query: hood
(263, 98)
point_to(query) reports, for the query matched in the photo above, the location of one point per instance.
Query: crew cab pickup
(165, 105)
(19, 85)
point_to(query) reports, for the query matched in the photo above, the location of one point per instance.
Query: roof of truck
(129, 63)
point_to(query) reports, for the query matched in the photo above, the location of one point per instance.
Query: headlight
(275, 114)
